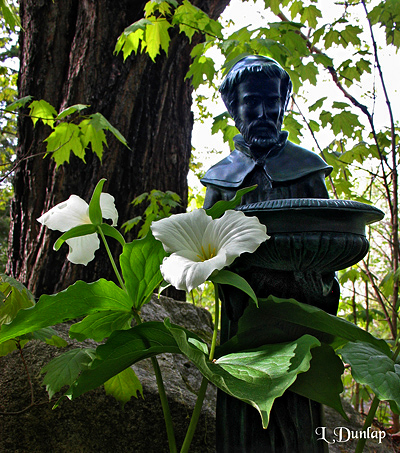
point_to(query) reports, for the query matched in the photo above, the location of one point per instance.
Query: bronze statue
(256, 93)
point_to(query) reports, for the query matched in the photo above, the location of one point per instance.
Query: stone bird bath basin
(310, 234)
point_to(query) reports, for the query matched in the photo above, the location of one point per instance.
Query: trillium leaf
(280, 320)
(123, 349)
(221, 206)
(100, 325)
(80, 299)
(123, 386)
(80, 230)
(140, 265)
(225, 277)
(64, 369)
(322, 382)
(370, 366)
(95, 214)
(16, 298)
(110, 231)
(256, 377)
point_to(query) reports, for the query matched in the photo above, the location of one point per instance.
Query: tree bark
(67, 58)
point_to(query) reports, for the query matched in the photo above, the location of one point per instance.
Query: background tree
(67, 58)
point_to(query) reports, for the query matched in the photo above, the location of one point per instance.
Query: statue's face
(259, 109)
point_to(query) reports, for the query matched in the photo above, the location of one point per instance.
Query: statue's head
(256, 92)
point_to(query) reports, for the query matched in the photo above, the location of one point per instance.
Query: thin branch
(353, 100)
(317, 143)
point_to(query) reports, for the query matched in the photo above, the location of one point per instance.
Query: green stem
(157, 371)
(216, 324)
(195, 416)
(163, 397)
(204, 383)
(367, 424)
(165, 407)
(121, 282)
(371, 413)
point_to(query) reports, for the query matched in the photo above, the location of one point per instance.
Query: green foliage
(369, 366)
(387, 15)
(140, 264)
(64, 369)
(80, 299)
(71, 132)
(9, 15)
(159, 206)
(151, 34)
(123, 386)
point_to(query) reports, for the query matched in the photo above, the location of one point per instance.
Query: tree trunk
(67, 58)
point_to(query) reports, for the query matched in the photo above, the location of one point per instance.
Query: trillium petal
(185, 273)
(108, 209)
(81, 249)
(235, 233)
(182, 231)
(66, 215)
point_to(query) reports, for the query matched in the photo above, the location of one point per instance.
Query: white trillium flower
(75, 212)
(200, 245)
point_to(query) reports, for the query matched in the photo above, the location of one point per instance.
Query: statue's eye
(250, 100)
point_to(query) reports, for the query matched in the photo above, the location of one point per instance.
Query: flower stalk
(204, 383)
(157, 371)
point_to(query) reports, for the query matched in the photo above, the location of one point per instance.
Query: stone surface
(95, 422)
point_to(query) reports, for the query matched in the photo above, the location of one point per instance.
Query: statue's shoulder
(229, 172)
(294, 162)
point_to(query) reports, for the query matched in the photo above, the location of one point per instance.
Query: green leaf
(16, 298)
(80, 299)
(322, 382)
(310, 15)
(221, 206)
(130, 39)
(256, 377)
(95, 214)
(65, 139)
(80, 230)
(110, 231)
(370, 366)
(201, 66)
(156, 37)
(95, 137)
(18, 103)
(123, 386)
(140, 265)
(99, 122)
(317, 105)
(70, 110)
(8, 346)
(280, 320)
(192, 19)
(11, 19)
(123, 349)
(225, 277)
(101, 325)
(42, 110)
(64, 369)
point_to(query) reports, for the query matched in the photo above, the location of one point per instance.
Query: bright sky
(245, 13)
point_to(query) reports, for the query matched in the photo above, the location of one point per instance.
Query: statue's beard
(262, 134)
